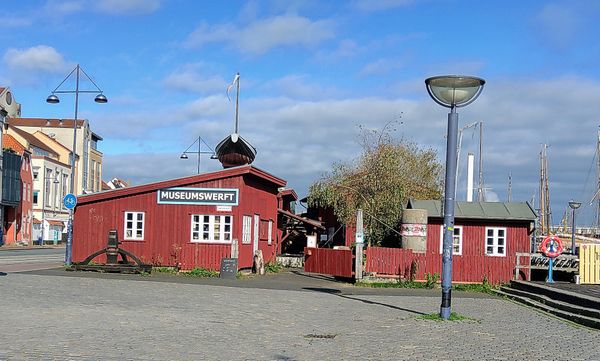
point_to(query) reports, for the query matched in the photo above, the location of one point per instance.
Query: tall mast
(598, 156)
(480, 194)
(545, 212)
(509, 187)
(237, 104)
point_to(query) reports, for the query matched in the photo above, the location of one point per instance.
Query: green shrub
(201, 272)
(273, 267)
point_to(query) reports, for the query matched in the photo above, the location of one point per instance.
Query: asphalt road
(28, 259)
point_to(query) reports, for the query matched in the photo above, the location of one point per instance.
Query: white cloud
(298, 86)
(557, 25)
(379, 5)
(41, 58)
(127, 7)
(262, 35)
(382, 66)
(12, 21)
(191, 78)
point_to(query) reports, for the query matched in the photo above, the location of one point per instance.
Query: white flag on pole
(235, 79)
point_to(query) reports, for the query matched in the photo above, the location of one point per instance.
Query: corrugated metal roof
(478, 210)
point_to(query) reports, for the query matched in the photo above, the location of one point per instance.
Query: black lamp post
(53, 99)
(574, 205)
(451, 91)
(200, 141)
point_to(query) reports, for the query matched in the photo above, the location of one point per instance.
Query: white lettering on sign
(413, 230)
(201, 196)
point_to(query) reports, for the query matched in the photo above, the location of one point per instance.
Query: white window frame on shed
(210, 228)
(270, 237)
(246, 229)
(137, 231)
(494, 242)
(457, 240)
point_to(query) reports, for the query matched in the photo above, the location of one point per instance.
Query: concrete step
(586, 316)
(557, 294)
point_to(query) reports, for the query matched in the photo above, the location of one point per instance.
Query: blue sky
(311, 72)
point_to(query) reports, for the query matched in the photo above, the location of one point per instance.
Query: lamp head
(454, 90)
(574, 205)
(214, 156)
(183, 156)
(100, 98)
(52, 99)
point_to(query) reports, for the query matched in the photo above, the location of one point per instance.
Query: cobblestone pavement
(80, 318)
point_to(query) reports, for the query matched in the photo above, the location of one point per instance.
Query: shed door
(255, 235)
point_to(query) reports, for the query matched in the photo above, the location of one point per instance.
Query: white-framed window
(211, 228)
(495, 241)
(134, 226)
(456, 240)
(270, 231)
(246, 227)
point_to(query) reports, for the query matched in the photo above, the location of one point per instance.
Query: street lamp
(452, 92)
(574, 205)
(200, 141)
(53, 99)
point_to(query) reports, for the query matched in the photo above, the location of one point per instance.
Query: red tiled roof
(8, 141)
(45, 123)
(55, 223)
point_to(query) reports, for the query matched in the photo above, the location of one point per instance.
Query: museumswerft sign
(200, 196)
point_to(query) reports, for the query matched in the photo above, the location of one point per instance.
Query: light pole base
(445, 313)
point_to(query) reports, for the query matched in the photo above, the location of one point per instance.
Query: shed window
(211, 228)
(247, 225)
(456, 240)
(134, 226)
(495, 241)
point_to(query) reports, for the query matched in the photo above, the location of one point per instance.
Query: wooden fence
(473, 268)
(335, 262)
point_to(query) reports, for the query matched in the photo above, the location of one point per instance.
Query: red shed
(487, 236)
(191, 222)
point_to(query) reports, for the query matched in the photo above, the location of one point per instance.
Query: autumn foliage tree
(380, 182)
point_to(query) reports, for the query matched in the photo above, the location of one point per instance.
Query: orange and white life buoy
(552, 246)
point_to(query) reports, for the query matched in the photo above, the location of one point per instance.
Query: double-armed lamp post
(200, 141)
(452, 92)
(53, 99)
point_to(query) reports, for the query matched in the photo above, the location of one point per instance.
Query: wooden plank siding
(167, 227)
(472, 266)
(335, 262)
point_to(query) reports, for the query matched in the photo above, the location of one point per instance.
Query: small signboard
(223, 208)
(229, 267)
(360, 237)
(70, 201)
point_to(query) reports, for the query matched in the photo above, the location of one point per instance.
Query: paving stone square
(85, 318)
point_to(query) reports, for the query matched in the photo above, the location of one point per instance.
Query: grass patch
(430, 282)
(200, 272)
(477, 287)
(165, 270)
(453, 317)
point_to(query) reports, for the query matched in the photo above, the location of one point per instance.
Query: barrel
(414, 230)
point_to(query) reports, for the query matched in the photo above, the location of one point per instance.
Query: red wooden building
(487, 236)
(191, 222)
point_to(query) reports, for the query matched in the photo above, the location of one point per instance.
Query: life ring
(552, 246)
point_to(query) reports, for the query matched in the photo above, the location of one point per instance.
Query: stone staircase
(575, 307)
